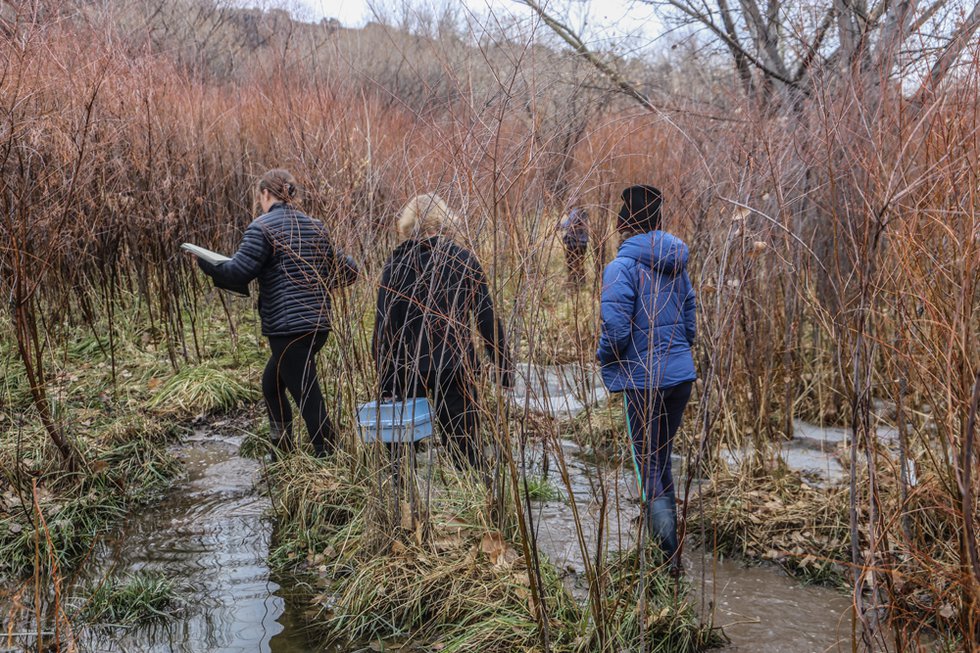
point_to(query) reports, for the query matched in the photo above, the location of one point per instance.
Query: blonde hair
(425, 216)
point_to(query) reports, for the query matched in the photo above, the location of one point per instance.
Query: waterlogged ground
(760, 608)
(212, 532)
(211, 535)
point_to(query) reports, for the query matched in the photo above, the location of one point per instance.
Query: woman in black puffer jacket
(297, 266)
(432, 291)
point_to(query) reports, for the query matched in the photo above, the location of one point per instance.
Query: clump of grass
(139, 470)
(142, 597)
(469, 595)
(203, 389)
(141, 427)
(72, 511)
(601, 428)
(315, 503)
(444, 579)
(256, 443)
(72, 524)
(539, 488)
(87, 347)
(648, 610)
(777, 517)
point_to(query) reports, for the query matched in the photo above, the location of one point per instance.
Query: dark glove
(205, 266)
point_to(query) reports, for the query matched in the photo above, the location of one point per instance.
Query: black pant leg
(674, 401)
(313, 405)
(297, 369)
(654, 419)
(457, 410)
(274, 393)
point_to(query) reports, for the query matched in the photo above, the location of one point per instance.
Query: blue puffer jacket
(648, 315)
(297, 266)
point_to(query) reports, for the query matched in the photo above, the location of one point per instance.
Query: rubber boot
(282, 439)
(662, 513)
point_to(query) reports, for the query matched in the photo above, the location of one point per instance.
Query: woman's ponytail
(281, 184)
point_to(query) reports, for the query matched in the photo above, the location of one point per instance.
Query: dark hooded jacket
(431, 291)
(297, 266)
(648, 315)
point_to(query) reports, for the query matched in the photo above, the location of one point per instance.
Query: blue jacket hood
(657, 250)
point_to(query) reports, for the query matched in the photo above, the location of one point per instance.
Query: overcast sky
(605, 18)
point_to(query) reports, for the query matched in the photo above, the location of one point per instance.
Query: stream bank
(212, 532)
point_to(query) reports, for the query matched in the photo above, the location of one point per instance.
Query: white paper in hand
(213, 258)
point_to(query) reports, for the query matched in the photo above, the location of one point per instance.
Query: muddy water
(760, 608)
(211, 535)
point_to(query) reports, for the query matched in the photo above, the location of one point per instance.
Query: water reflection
(760, 608)
(211, 536)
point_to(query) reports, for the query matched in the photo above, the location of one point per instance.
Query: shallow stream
(760, 608)
(211, 534)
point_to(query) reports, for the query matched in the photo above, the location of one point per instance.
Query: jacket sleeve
(490, 327)
(345, 272)
(383, 354)
(618, 297)
(690, 311)
(245, 265)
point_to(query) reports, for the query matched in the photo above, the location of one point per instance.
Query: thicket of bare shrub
(834, 230)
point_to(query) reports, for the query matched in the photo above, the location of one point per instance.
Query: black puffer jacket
(297, 267)
(431, 291)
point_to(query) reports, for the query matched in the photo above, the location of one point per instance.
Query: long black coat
(431, 291)
(297, 266)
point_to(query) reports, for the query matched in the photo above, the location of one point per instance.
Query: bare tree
(779, 49)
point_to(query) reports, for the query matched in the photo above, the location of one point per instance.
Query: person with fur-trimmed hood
(648, 329)
(432, 290)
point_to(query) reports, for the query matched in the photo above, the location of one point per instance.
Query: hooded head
(641, 210)
(658, 251)
(425, 216)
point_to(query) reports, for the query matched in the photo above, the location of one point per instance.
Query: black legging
(653, 417)
(456, 402)
(292, 366)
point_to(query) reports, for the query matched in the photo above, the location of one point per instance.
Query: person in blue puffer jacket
(648, 329)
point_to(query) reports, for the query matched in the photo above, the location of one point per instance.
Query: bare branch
(960, 39)
(567, 35)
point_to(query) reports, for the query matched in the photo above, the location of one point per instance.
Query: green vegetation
(121, 418)
(539, 488)
(205, 388)
(143, 597)
(667, 621)
(54, 519)
(256, 442)
(442, 578)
